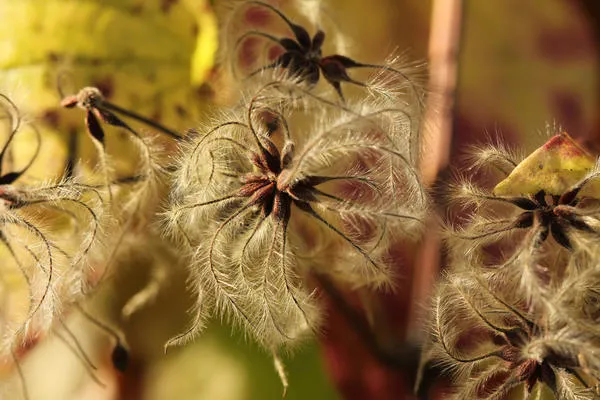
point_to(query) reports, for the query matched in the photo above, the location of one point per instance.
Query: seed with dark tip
(120, 357)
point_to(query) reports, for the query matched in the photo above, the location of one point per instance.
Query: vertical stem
(444, 46)
(403, 358)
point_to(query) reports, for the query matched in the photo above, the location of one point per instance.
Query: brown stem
(404, 358)
(131, 383)
(444, 47)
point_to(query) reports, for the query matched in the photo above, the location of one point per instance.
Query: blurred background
(499, 69)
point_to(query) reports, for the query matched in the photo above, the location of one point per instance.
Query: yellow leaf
(554, 168)
(150, 56)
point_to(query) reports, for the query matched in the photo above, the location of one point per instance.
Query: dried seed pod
(274, 191)
(516, 233)
(49, 232)
(142, 185)
(258, 37)
(496, 347)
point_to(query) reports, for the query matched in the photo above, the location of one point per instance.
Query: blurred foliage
(220, 366)
(150, 56)
(523, 66)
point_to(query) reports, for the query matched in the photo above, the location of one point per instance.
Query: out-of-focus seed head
(48, 234)
(259, 37)
(494, 346)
